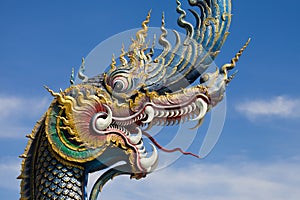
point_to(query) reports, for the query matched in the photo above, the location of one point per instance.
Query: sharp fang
(166, 114)
(156, 113)
(143, 150)
(194, 106)
(147, 163)
(181, 111)
(172, 113)
(143, 155)
(139, 117)
(190, 108)
(176, 113)
(185, 110)
(202, 109)
(150, 114)
(139, 146)
(161, 113)
(137, 138)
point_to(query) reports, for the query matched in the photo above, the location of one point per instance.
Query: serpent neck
(55, 178)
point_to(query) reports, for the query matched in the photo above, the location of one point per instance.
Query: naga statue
(94, 125)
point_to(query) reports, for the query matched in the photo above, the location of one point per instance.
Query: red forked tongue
(168, 150)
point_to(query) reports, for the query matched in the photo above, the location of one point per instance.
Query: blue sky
(257, 156)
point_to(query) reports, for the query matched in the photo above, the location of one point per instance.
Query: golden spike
(113, 63)
(122, 56)
(141, 34)
(30, 136)
(144, 29)
(54, 94)
(22, 176)
(23, 156)
(225, 68)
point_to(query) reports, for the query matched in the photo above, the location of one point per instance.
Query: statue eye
(121, 84)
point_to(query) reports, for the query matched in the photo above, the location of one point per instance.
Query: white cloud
(234, 181)
(15, 112)
(281, 106)
(9, 171)
(17, 106)
(219, 181)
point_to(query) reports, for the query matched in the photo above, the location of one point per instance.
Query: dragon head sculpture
(100, 122)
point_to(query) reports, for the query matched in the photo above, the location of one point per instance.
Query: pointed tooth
(156, 113)
(190, 108)
(166, 113)
(150, 113)
(137, 138)
(185, 110)
(172, 113)
(142, 150)
(202, 106)
(181, 111)
(143, 155)
(139, 146)
(176, 113)
(128, 134)
(161, 113)
(147, 163)
(194, 106)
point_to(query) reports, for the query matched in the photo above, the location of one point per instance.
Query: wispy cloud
(281, 106)
(16, 111)
(213, 181)
(9, 170)
(235, 181)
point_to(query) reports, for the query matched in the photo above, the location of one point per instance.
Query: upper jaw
(191, 104)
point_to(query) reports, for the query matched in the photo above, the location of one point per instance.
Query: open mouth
(145, 162)
(165, 111)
